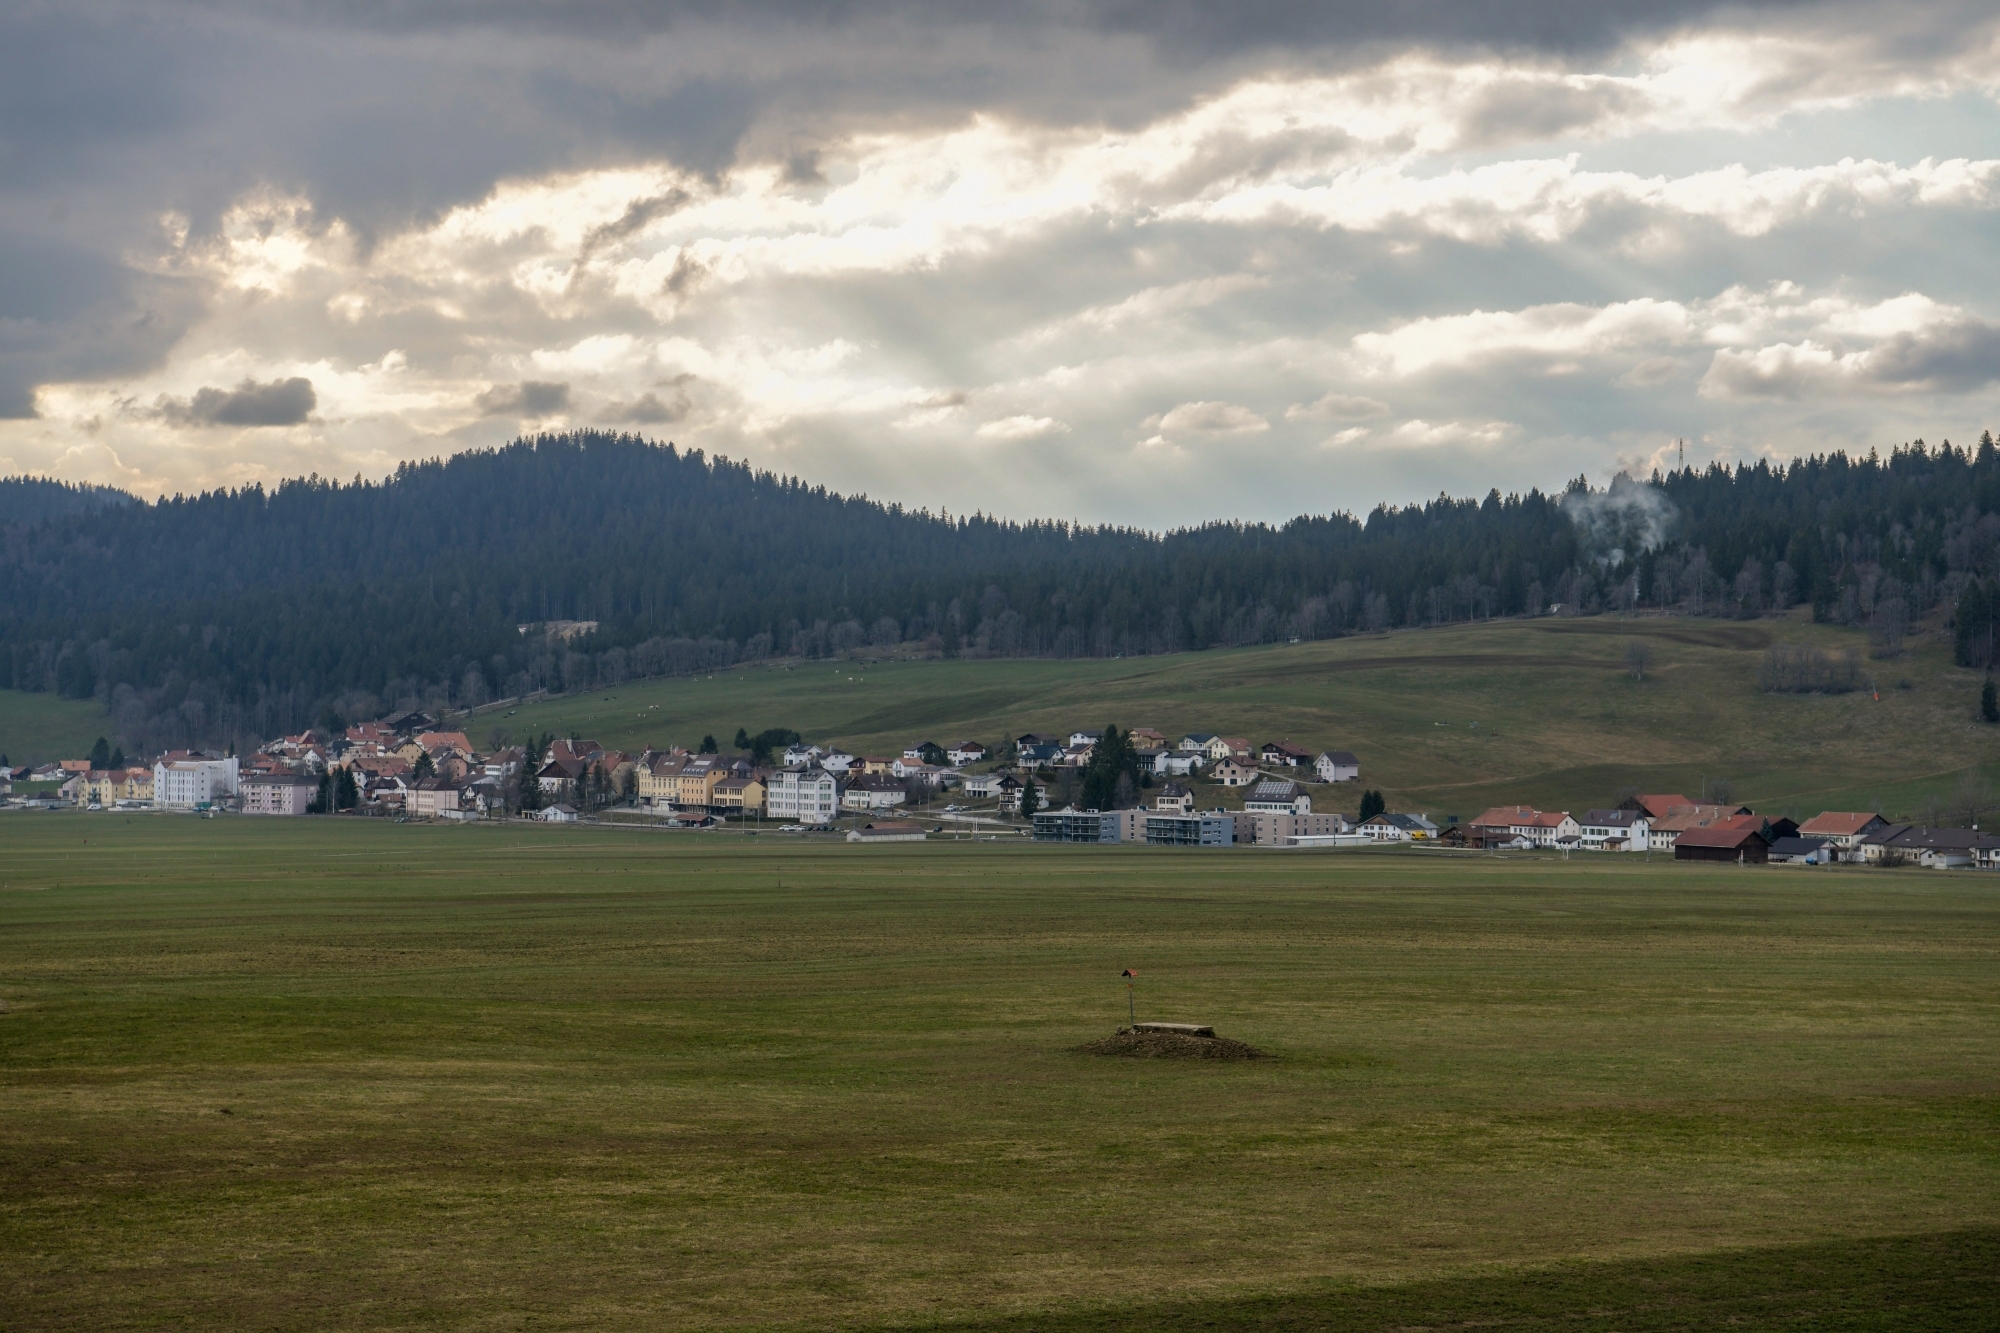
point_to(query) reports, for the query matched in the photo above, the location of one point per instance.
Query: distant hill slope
(1449, 720)
(233, 616)
(32, 499)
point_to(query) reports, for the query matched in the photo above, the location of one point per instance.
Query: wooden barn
(1723, 842)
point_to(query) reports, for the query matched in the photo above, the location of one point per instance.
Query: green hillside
(1446, 720)
(35, 728)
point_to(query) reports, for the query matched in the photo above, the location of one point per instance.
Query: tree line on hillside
(33, 499)
(572, 562)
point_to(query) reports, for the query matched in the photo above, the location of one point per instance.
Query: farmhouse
(1614, 831)
(1284, 754)
(1523, 826)
(1843, 830)
(876, 791)
(1667, 829)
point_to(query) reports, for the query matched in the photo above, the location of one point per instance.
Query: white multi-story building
(183, 784)
(803, 796)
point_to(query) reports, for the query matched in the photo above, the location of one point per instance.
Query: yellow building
(739, 795)
(660, 778)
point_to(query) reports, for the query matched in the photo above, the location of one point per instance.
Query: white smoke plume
(1621, 522)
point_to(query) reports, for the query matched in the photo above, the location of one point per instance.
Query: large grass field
(355, 1075)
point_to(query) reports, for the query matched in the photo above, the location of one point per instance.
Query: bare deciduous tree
(1971, 798)
(1638, 658)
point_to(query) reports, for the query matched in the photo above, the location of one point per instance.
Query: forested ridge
(249, 612)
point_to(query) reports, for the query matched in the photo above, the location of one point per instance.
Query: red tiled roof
(1837, 823)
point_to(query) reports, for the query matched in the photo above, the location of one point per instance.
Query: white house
(800, 756)
(183, 784)
(916, 768)
(966, 752)
(1336, 766)
(803, 796)
(916, 752)
(835, 760)
(877, 791)
(1278, 796)
(1546, 828)
(1089, 738)
(556, 814)
(1197, 740)
(1390, 827)
(1177, 763)
(1614, 831)
(991, 786)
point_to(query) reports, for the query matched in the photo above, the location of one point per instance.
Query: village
(1029, 786)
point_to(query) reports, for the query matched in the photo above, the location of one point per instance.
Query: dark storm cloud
(652, 408)
(286, 402)
(530, 398)
(66, 312)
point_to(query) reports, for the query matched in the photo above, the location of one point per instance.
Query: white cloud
(1428, 434)
(1336, 407)
(1207, 418)
(1021, 428)
(1553, 333)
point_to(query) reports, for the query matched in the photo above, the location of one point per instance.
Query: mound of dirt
(1170, 1046)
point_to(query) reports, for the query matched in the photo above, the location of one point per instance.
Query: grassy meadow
(35, 728)
(359, 1075)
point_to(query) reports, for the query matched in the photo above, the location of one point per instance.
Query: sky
(1150, 264)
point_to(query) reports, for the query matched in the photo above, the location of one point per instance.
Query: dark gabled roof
(1942, 839)
(1719, 835)
(1342, 757)
(1796, 846)
(1612, 818)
